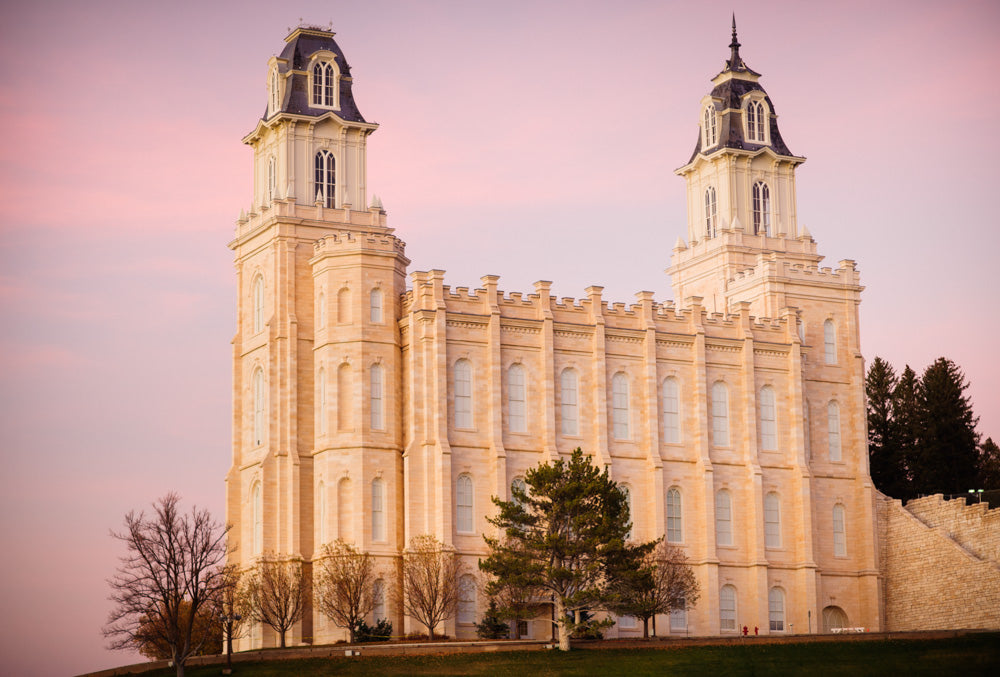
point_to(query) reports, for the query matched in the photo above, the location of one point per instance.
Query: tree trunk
(645, 628)
(179, 666)
(282, 639)
(430, 632)
(654, 625)
(561, 624)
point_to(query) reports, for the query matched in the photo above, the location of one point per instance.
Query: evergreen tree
(885, 457)
(989, 465)
(906, 412)
(947, 454)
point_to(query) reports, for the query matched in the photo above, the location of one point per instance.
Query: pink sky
(533, 140)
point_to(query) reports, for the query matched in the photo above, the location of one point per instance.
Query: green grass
(966, 656)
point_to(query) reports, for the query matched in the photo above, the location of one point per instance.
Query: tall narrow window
(761, 209)
(375, 304)
(755, 122)
(709, 127)
(378, 595)
(518, 484)
(679, 617)
(463, 394)
(259, 407)
(324, 82)
(833, 429)
(463, 504)
(345, 510)
(839, 532)
(720, 414)
(344, 306)
(258, 304)
(671, 411)
(258, 518)
(727, 608)
(321, 512)
(619, 406)
(568, 408)
(326, 179)
(378, 509)
(272, 179)
(675, 531)
(830, 342)
(711, 212)
(321, 311)
(631, 513)
(275, 99)
(467, 599)
(776, 609)
(768, 426)
(345, 398)
(516, 415)
(772, 521)
(723, 518)
(808, 429)
(321, 400)
(375, 398)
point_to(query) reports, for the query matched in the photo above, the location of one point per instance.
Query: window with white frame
(324, 83)
(679, 617)
(378, 596)
(839, 532)
(768, 424)
(711, 212)
(516, 406)
(756, 119)
(568, 383)
(518, 484)
(619, 406)
(727, 608)
(275, 98)
(467, 599)
(709, 128)
(257, 508)
(761, 209)
(830, 342)
(772, 520)
(321, 399)
(321, 512)
(259, 407)
(375, 397)
(627, 622)
(325, 176)
(720, 414)
(378, 509)
(375, 306)
(671, 411)
(272, 179)
(776, 609)
(463, 504)
(463, 394)
(675, 526)
(723, 518)
(833, 429)
(631, 515)
(258, 304)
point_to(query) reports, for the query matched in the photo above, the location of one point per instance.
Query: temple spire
(735, 62)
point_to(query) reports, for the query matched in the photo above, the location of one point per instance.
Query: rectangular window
(376, 397)
(516, 417)
(772, 521)
(463, 394)
(678, 619)
(671, 412)
(568, 409)
(839, 532)
(723, 518)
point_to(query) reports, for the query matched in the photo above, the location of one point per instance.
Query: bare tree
(276, 594)
(231, 608)
(665, 583)
(344, 589)
(166, 580)
(430, 588)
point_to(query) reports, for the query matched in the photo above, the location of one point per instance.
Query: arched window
(275, 100)
(567, 391)
(711, 212)
(378, 509)
(727, 608)
(345, 410)
(709, 127)
(272, 178)
(326, 179)
(761, 209)
(344, 306)
(833, 429)
(518, 484)
(463, 394)
(776, 609)
(516, 414)
(755, 122)
(772, 521)
(839, 532)
(259, 407)
(321, 512)
(675, 531)
(679, 617)
(463, 504)
(257, 506)
(375, 304)
(720, 414)
(324, 82)
(830, 342)
(345, 510)
(321, 401)
(321, 311)
(671, 411)
(375, 397)
(631, 514)
(768, 426)
(467, 599)
(258, 304)
(834, 618)
(378, 595)
(619, 406)
(723, 518)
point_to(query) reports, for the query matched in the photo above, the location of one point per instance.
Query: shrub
(493, 627)
(382, 632)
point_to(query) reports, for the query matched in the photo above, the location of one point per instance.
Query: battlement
(289, 211)
(846, 274)
(347, 240)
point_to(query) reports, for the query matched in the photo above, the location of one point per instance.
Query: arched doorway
(834, 618)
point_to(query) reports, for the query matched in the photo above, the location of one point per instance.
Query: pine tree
(885, 458)
(948, 454)
(906, 412)
(989, 465)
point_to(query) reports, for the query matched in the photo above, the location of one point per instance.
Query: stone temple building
(374, 403)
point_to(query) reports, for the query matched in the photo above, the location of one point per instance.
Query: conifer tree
(906, 412)
(885, 458)
(989, 465)
(947, 453)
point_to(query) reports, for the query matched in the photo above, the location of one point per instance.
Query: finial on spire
(735, 62)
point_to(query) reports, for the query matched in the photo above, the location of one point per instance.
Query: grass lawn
(965, 656)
